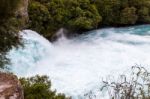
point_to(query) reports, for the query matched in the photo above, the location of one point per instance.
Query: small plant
(134, 86)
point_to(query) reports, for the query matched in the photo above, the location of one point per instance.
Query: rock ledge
(10, 87)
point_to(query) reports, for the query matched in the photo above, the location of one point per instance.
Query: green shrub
(83, 15)
(128, 16)
(9, 29)
(123, 12)
(39, 17)
(109, 10)
(48, 16)
(39, 87)
(143, 13)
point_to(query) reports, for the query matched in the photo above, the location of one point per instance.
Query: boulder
(10, 87)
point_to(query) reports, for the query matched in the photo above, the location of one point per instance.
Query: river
(76, 66)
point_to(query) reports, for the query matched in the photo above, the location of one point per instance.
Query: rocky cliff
(22, 11)
(13, 15)
(10, 87)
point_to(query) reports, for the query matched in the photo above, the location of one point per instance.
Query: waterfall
(76, 66)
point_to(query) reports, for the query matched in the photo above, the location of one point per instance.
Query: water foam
(76, 66)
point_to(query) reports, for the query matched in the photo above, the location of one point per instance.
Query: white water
(76, 66)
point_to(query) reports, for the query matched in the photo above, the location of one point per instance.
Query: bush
(135, 86)
(109, 10)
(83, 15)
(39, 87)
(9, 28)
(128, 16)
(48, 16)
(143, 13)
(39, 18)
(123, 12)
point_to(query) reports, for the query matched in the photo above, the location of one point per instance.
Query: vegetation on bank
(47, 16)
(9, 28)
(39, 87)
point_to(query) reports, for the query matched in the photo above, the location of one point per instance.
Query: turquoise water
(77, 65)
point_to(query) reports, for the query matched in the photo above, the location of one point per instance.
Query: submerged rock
(10, 87)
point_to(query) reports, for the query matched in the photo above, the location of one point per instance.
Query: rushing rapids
(76, 65)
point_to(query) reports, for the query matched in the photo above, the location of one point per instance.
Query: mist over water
(77, 65)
